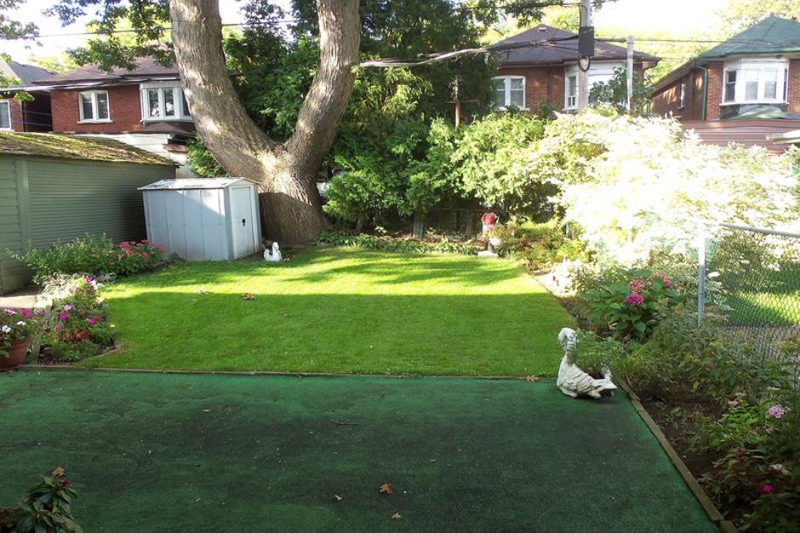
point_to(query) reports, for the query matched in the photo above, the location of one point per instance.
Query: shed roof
(773, 35)
(73, 147)
(549, 45)
(201, 183)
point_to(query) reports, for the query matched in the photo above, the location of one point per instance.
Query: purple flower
(91, 321)
(766, 489)
(68, 308)
(776, 411)
(634, 299)
(26, 313)
(57, 328)
(88, 279)
(63, 317)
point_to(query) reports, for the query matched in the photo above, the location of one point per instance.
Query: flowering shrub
(78, 326)
(95, 256)
(46, 508)
(537, 245)
(632, 309)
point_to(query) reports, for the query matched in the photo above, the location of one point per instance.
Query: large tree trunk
(291, 207)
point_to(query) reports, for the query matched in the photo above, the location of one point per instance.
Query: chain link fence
(750, 279)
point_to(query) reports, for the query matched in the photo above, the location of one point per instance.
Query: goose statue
(273, 254)
(573, 381)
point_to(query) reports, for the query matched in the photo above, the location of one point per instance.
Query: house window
(571, 96)
(682, 100)
(94, 106)
(509, 91)
(164, 102)
(5, 115)
(756, 81)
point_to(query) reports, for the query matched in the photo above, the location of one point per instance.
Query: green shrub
(594, 352)
(537, 245)
(47, 508)
(398, 245)
(94, 256)
(78, 326)
(631, 309)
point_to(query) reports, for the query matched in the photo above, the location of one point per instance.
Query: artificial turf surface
(197, 453)
(341, 311)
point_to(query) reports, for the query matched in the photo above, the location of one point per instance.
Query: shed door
(244, 224)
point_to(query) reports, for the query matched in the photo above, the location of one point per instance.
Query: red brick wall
(794, 86)
(715, 83)
(542, 84)
(124, 106)
(17, 120)
(667, 100)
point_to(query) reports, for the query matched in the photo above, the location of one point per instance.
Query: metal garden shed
(204, 219)
(59, 187)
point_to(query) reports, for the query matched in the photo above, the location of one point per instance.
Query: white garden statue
(273, 255)
(573, 381)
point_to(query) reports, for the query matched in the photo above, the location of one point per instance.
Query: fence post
(701, 286)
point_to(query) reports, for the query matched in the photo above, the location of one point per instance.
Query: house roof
(72, 147)
(146, 67)
(773, 35)
(549, 45)
(26, 74)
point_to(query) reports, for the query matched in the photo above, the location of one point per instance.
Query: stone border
(726, 526)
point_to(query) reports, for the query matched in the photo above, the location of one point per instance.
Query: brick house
(144, 107)
(745, 90)
(547, 70)
(21, 116)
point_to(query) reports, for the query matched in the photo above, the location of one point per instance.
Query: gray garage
(58, 187)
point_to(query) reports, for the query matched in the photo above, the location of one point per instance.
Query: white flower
(6, 329)
(21, 323)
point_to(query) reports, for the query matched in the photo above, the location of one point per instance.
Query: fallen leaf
(396, 516)
(386, 489)
(248, 296)
(59, 472)
(532, 378)
(337, 498)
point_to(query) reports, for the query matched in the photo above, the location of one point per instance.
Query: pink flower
(776, 411)
(766, 489)
(57, 328)
(68, 308)
(634, 299)
(63, 317)
(88, 279)
(664, 280)
(90, 321)
(637, 286)
(26, 313)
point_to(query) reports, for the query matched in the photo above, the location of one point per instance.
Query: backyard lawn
(340, 311)
(203, 453)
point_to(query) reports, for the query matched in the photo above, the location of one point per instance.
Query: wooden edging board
(726, 526)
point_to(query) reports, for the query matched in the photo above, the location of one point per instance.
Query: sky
(655, 15)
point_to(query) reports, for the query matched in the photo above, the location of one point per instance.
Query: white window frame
(682, 96)
(94, 119)
(10, 122)
(599, 71)
(181, 115)
(507, 86)
(778, 65)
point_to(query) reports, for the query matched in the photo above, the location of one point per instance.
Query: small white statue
(573, 381)
(273, 255)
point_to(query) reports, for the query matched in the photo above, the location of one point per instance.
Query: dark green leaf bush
(538, 245)
(94, 256)
(399, 245)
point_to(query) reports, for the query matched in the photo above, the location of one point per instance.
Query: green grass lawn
(341, 311)
(210, 453)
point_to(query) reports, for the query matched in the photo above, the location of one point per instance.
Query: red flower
(65, 483)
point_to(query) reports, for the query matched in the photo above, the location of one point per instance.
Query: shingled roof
(561, 47)
(773, 35)
(26, 74)
(73, 147)
(146, 68)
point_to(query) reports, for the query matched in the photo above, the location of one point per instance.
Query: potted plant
(17, 329)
